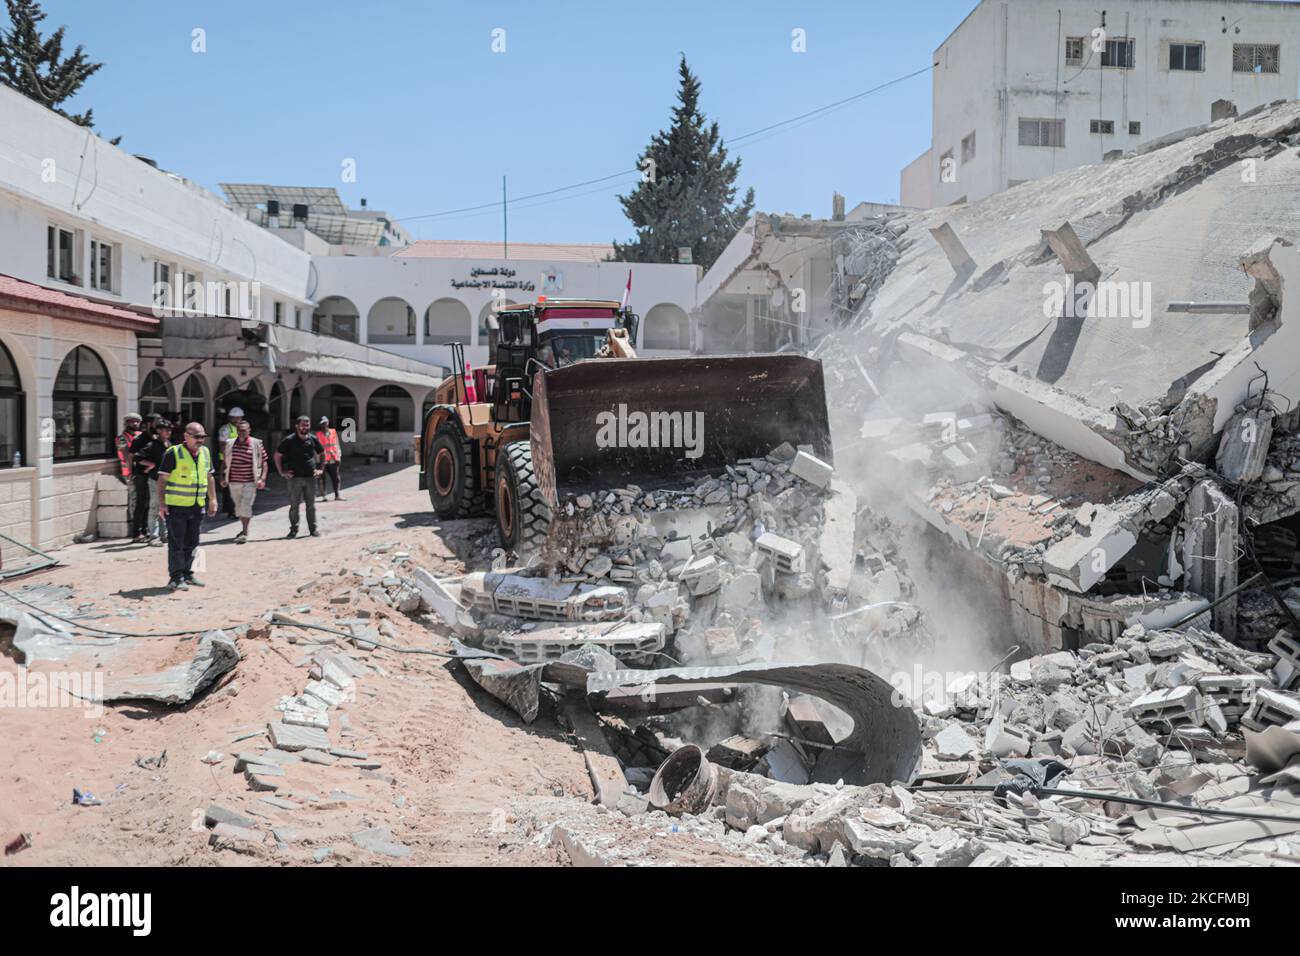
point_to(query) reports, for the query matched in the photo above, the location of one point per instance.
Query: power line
(777, 126)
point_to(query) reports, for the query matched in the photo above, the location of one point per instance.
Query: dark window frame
(15, 394)
(1183, 47)
(1112, 52)
(79, 398)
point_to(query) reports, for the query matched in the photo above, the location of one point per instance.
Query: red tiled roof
(476, 249)
(30, 297)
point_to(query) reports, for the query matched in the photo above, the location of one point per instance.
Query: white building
(431, 294)
(1027, 88)
(86, 232)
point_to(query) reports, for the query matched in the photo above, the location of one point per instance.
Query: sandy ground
(457, 770)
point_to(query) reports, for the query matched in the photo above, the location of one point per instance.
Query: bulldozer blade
(607, 423)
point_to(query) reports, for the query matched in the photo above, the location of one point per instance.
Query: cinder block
(811, 469)
(113, 529)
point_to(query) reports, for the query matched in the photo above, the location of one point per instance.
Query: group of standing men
(173, 486)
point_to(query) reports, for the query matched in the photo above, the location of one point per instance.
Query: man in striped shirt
(244, 464)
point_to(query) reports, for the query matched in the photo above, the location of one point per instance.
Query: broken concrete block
(702, 575)
(811, 469)
(877, 843)
(1168, 705)
(953, 743)
(1271, 707)
(786, 555)
(228, 834)
(216, 814)
(1080, 560)
(1244, 445)
(290, 737)
(380, 840)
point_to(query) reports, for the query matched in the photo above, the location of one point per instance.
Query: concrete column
(1210, 551)
(46, 371)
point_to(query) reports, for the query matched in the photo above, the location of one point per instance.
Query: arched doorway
(337, 317)
(337, 403)
(390, 322)
(666, 327)
(390, 409)
(446, 322)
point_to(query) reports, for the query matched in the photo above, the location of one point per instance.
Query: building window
(390, 409)
(1187, 56)
(193, 403)
(1119, 53)
(101, 265)
(1255, 57)
(1135, 128)
(60, 254)
(155, 397)
(1074, 51)
(191, 292)
(162, 284)
(85, 408)
(1042, 132)
(278, 313)
(13, 412)
(968, 149)
(1104, 127)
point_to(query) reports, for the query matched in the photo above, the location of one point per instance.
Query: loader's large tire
(523, 516)
(451, 474)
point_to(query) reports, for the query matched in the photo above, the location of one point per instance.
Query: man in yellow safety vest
(187, 488)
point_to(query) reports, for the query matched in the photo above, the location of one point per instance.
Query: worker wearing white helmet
(228, 433)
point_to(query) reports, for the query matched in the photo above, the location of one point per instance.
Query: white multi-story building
(1027, 88)
(430, 295)
(89, 234)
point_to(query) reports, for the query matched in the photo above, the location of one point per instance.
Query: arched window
(85, 408)
(13, 411)
(276, 407)
(296, 401)
(155, 395)
(390, 409)
(193, 403)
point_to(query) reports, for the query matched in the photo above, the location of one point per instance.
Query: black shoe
(315, 533)
(293, 533)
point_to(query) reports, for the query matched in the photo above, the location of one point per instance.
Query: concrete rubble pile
(686, 573)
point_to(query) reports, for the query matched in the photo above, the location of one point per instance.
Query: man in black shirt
(140, 479)
(298, 462)
(149, 457)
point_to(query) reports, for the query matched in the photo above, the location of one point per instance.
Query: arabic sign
(497, 277)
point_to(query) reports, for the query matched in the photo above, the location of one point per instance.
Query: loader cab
(544, 335)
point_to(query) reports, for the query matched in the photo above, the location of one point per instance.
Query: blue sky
(413, 92)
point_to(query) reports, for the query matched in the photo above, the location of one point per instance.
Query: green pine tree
(36, 66)
(687, 196)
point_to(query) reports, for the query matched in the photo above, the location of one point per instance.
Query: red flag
(627, 292)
